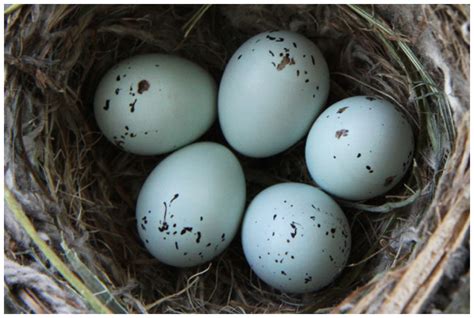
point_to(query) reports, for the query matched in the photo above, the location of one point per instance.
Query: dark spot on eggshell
(306, 80)
(272, 54)
(198, 238)
(370, 98)
(274, 216)
(107, 104)
(283, 273)
(186, 229)
(239, 56)
(132, 105)
(117, 90)
(342, 109)
(294, 44)
(176, 245)
(223, 237)
(342, 133)
(118, 78)
(157, 65)
(143, 86)
(317, 88)
(146, 241)
(358, 155)
(208, 244)
(295, 230)
(333, 230)
(312, 60)
(174, 198)
(388, 181)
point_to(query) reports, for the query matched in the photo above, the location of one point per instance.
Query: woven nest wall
(70, 236)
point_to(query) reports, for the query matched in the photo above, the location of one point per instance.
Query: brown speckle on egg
(342, 109)
(342, 133)
(143, 86)
(284, 62)
(389, 181)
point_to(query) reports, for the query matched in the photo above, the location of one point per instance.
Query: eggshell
(190, 206)
(154, 103)
(359, 148)
(295, 237)
(271, 91)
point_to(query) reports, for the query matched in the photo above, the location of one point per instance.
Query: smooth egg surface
(190, 206)
(154, 103)
(295, 237)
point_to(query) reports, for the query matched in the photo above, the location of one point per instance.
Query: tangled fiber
(70, 237)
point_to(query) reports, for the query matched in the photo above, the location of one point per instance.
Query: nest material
(71, 194)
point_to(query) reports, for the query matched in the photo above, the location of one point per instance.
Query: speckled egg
(154, 103)
(190, 206)
(359, 148)
(295, 237)
(271, 91)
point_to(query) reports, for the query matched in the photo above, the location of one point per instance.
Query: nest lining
(80, 191)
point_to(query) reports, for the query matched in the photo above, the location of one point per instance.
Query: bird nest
(71, 243)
